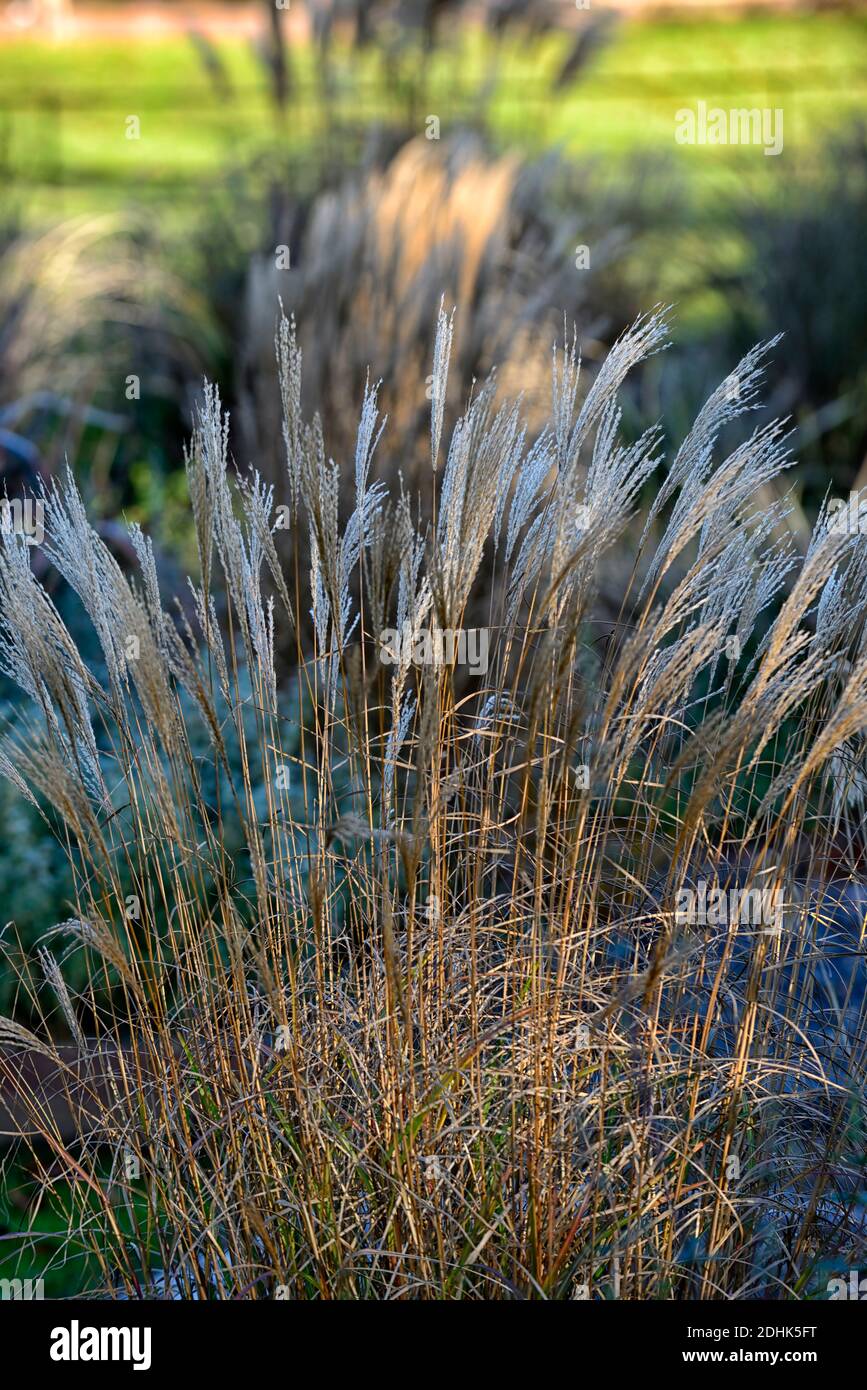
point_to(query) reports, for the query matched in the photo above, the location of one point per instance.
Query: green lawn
(814, 67)
(63, 110)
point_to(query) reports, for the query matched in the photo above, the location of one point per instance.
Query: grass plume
(441, 1030)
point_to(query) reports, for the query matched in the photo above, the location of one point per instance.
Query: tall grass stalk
(440, 1031)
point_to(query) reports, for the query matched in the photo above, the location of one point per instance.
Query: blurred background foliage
(258, 128)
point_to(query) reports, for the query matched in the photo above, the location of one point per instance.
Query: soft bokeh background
(167, 171)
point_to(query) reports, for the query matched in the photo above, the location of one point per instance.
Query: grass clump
(441, 1028)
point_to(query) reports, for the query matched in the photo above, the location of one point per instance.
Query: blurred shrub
(518, 244)
(98, 344)
(803, 274)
